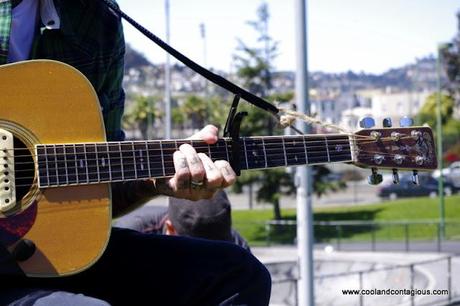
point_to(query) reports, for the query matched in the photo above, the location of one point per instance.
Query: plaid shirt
(5, 25)
(90, 38)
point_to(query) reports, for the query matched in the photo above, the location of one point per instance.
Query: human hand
(197, 176)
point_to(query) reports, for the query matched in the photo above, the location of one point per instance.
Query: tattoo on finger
(183, 163)
(195, 160)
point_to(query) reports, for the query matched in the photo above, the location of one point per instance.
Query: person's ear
(170, 230)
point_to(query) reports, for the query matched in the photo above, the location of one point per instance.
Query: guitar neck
(90, 163)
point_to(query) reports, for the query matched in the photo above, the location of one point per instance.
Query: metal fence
(424, 235)
(415, 279)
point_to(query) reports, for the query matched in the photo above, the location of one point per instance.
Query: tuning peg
(387, 122)
(406, 122)
(367, 122)
(374, 178)
(415, 179)
(395, 176)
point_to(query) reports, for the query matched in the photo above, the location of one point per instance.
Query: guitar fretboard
(90, 163)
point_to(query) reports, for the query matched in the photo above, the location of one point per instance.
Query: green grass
(251, 224)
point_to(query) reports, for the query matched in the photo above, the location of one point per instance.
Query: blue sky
(360, 35)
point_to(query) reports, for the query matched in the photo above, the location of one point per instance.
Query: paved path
(281, 261)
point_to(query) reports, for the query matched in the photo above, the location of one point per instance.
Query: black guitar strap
(216, 79)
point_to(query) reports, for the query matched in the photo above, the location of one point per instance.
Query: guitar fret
(162, 158)
(121, 162)
(102, 155)
(218, 151)
(61, 165)
(128, 161)
(148, 158)
(295, 150)
(86, 162)
(339, 148)
(51, 165)
(97, 164)
(91, 163)
(56, 164)
(168, 148)
(245, 153)
(76, 165)
(276, 155)
(116, 166)
(65, 165)
(109, 162)
(42, 166)
(134, 160)
(284, 151)
(142, 161)
(316, 148)
(306, 152)
(265, 153)
(155, 154)
(81, 167)
(327, 150)
(69, 160)
(255, 153)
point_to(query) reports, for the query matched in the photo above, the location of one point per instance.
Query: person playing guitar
(64, 162)
(135, 268)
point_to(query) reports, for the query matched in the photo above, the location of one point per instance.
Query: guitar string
(272, 160)
(199, 146)
(136, 158)
(134, 178)
(222, 154)
(170, 170)
(207, 148)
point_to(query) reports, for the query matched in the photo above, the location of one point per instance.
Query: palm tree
(142, 114)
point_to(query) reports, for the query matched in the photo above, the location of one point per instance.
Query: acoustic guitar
(56, 166)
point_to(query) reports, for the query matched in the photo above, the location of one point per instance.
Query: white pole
(305, 286)
(167, 79)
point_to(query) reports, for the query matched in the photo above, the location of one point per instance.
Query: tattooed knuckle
(215, 179)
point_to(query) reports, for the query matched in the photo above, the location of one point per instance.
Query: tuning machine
(406, 122)
(395, 176)
(387, 122)
(415, 179)
(367, 123)
(375, 178)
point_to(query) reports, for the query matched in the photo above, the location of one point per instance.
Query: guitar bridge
(7, 179)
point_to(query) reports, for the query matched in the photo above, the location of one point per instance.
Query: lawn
(416, 212)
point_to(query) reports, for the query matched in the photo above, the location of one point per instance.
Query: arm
(191, 167)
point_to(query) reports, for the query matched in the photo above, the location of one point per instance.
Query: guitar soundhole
(24, 169)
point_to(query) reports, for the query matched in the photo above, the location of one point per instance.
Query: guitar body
(49, 102)
(52, 135)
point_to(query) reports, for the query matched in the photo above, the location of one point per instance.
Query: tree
(450, 125)
(450, 58)
(142, 114)
(254, 68)
(197, 111)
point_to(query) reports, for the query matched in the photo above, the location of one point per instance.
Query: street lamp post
(305, 286)
(439, 142)
(167, 79)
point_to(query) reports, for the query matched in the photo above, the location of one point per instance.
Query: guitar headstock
(405, 147)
